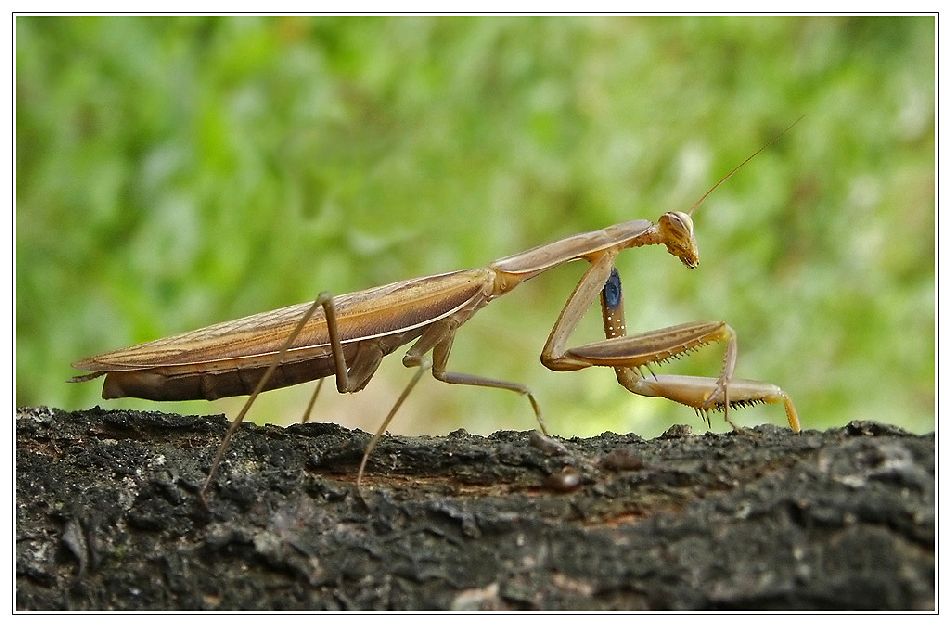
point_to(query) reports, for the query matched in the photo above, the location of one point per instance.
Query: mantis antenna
(736, 168)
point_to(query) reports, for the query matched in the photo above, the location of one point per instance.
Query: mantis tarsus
(347, 336)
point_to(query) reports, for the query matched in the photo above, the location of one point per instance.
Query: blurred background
(173, 172)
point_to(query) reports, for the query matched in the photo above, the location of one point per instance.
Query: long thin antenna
(736, 168)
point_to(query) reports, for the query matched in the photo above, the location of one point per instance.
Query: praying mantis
(348, 336)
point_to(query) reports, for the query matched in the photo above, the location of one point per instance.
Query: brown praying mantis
(348, 336)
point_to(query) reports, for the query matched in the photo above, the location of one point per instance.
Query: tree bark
(109, 517)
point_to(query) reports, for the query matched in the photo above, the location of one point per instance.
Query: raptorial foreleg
(630, 354)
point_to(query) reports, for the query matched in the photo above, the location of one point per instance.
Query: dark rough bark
(109, 517)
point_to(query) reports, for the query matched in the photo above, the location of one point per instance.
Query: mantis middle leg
(348, 378)
(437, 339)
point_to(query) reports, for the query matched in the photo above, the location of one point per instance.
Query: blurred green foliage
(178, 171)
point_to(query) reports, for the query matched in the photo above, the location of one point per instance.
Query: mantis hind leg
(321, 300)
(345, 381)
(312, 402)
(424, 364)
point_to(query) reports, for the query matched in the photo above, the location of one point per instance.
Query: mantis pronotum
(347, 336)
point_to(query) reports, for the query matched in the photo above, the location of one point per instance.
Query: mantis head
(676, 231)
